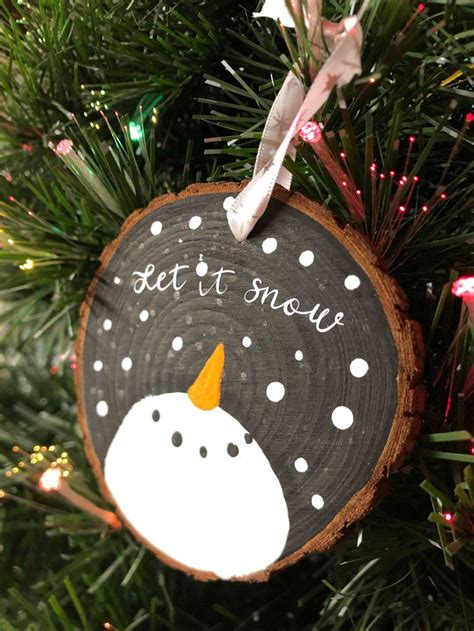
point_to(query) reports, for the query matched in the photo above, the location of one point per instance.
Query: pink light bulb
(310, 132)
(402, 209)
(50, 480)
(63, 147)
(424, 209)
(448, 516)
(463, 287)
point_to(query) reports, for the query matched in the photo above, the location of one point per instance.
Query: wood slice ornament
(243, 403)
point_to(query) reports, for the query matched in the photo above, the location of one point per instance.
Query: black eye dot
(203, 452)
(248, 438)
(177, 439)
(232, 450)
(155, 415)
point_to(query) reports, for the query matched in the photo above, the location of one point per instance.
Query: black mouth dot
(203, 452)
(248, 438)
(232, 450)
(155, 415)
(177, 439)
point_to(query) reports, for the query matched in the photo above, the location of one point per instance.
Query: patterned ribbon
(290, 111)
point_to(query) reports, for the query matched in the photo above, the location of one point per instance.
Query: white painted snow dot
(126, 363)
(359, 367)
(195, 222)
(117, 280)
(102, 408)
(351, 282)
(275, 391)
(246, 342)
(299, 356)
(228, 201)
(306, 258)
(177, 343)
(97, 365)
(107, 324)
(269, 245)
(144, 315)
(201, 269)
(301, 465)
(342, 417)
(156, 228)
(317, 501)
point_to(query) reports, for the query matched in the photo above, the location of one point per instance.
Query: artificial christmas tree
(107, 105)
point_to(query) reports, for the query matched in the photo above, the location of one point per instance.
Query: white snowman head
(192, 481)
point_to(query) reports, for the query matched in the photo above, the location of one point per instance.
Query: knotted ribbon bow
(291, 109)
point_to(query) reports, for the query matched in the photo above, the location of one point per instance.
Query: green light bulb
(135, 131)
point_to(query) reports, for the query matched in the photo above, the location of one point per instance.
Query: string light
(135, 130)
(443, 196)
(469, 117)
(27, 265)
(310, 132)
(50, 480)
(402, 209)
(448, 517)
(64, 147)
(27, 147)
(463, 287)
(424, 209)
(412, 139)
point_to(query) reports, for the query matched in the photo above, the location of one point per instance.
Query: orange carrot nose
(205, 392)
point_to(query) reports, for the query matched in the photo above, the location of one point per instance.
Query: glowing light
(402, 209)
(469, 117)
(135, 130)
(424, 209)
(448, 516)
(310, 132)
(358, 191)
(412, 139)
(372, 80)
(2, 494)
(443, 196)
(342, 154)
(404, 178)
(373, 167)
(421, 7)
(28, 264)
(415, 178)
(344, 183)
(11, 198)
(50, 480)
(26, 147)
(392, 173)
(382, 176)
(63, 147)
(463, 287)
(107, 625)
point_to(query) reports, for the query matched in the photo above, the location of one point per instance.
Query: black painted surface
(339, 461)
